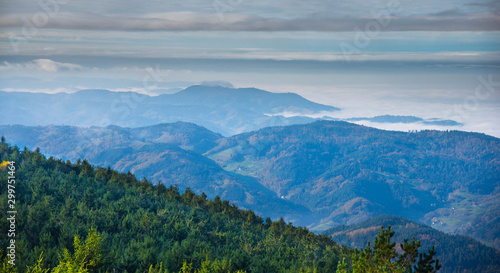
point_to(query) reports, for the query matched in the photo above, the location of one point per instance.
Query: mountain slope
(166, 153)
(347, 173)
(456, 253)
(321, 174)
(172, 165)
(142, 225)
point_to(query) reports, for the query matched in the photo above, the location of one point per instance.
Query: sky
(431, 59)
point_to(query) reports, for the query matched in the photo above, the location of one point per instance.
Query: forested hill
(346, 173)
(320, 174)
(456, 253)
(140, 225)
(167, 153)
(76, 217)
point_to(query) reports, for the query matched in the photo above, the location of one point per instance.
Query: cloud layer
(236, 22)
(45, 65)
(257, 15)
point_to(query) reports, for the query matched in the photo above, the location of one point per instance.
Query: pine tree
(38, 267)
(384, 258)
(427, 263)
(87, 256)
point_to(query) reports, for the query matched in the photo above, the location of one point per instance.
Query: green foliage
(6, 267)
(452, 176)
(427, 263)
(63, 204)
(455, 253)
(342, 267)
(87, 256)
(38, 267)
(384, 258)
(413, 174)
(143, 227)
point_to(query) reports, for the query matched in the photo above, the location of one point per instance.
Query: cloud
(218, 83)
(492, 5)
(42, 90)
(45, 65)
(448, 20)
(482, 58)
(51, 66)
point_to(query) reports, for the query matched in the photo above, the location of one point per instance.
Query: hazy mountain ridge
(407, 119)
(248, 98)
(226, 110)
(221, 109)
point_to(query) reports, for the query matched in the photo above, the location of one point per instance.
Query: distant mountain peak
(222, 109)
(253, 99)
(218, 83)
(221, 88)
(90, 91)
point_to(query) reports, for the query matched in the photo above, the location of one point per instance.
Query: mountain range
(321, 174)
(135, 226)
(347, 173)
(277, 154)
(221, 109)
(225, 110)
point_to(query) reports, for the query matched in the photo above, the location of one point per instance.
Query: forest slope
(143, 225)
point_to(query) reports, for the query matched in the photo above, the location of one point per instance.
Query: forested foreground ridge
(75, 217)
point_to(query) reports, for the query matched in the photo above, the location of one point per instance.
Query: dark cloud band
(232, 22)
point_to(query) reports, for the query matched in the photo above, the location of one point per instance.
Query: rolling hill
(321, 174)
(166, 153)
(135, 226)
(347, 173)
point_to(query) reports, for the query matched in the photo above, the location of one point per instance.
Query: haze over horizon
(427, 59)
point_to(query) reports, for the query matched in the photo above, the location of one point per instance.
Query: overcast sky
(261, 15)
(424, 58)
